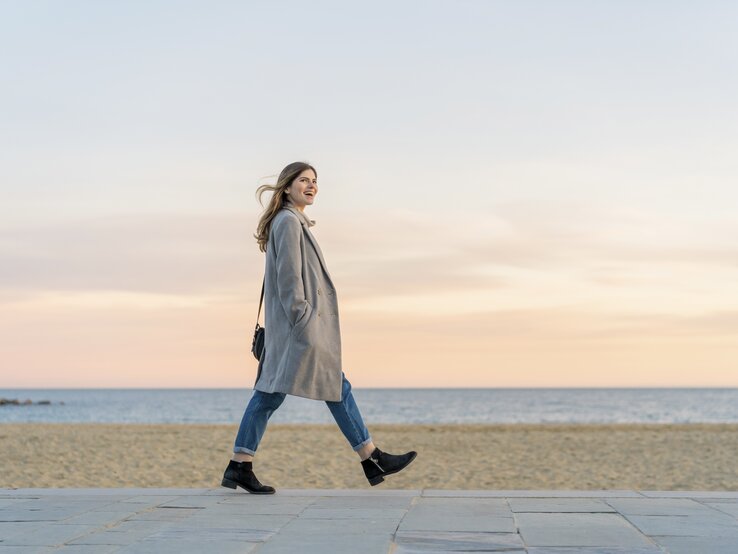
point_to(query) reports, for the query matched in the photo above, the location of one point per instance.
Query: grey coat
(302, 337)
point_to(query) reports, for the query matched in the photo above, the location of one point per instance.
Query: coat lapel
(302, 217)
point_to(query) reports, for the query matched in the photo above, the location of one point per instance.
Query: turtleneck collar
(309, 222)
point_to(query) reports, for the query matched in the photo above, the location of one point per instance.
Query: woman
(302, 338)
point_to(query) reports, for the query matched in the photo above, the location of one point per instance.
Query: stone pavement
(367, 521)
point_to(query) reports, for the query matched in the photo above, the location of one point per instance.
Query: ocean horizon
(380, 405)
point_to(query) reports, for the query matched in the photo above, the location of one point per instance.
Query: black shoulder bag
(257, 345)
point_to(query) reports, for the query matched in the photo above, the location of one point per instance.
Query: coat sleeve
(290, 287)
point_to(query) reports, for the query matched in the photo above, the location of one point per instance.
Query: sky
(511, 194)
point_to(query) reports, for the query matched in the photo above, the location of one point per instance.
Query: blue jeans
(263, 404)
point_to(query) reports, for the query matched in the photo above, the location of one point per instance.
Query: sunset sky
(511, 194)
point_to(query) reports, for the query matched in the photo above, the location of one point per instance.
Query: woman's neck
(293, 205)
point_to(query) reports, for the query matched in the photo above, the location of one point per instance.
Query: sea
(388, 405)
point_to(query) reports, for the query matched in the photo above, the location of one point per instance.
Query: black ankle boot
(240, 474)
(381, 463)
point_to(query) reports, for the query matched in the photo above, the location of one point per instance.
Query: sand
(504, 456)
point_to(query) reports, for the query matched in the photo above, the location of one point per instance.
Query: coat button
(319, 291)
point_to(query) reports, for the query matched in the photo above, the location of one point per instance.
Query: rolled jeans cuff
(361, 445)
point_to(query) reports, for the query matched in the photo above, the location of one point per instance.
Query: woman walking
(302, 338)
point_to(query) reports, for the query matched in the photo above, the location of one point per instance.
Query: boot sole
(379, 478)
(234, 485)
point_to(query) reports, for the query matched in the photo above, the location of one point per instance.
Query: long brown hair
(285, 179)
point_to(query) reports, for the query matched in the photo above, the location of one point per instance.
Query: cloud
(405, 251)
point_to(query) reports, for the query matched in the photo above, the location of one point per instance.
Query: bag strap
(260, 301)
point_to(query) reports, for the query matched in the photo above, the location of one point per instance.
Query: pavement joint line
(515, 519)
(413, 501)
(723, 512)
(648, 538)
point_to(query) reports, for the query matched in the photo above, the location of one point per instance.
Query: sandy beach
(504, 456)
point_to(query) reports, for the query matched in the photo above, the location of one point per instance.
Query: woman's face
(303, 190)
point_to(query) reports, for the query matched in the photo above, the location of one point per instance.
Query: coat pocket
(300, 323)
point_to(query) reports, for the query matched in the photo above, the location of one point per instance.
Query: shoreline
(500, 456)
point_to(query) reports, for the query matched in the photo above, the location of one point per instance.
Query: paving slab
(719, 525)
(120, 491)
(201, 501)
(698, 545)
(245, 506)
(99, 518)
(491, 515)
(411, 542)
(161, 514)
(532, 493)
(595, 550)
(190, 545)
(399, 521)
(730, 508)
(559, 505)
(10, 528)
(37, 514)
(579, 529)
(50, 534)
(360, 501)
(365, 493)
(691, 494)
(319, 536)
(87, 548)
(13, 502)
(300, 527)
(352, 513)
(327, 543)
(659, 506)
(27, 549)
